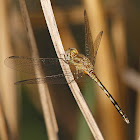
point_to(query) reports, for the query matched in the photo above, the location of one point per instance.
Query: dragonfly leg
(71, 81)
(64, 60)
(77, 73)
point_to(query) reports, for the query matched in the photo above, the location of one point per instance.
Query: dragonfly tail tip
(127, 121)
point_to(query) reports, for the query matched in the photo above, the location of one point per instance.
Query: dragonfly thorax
(70, 53)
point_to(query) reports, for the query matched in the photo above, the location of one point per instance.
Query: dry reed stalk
(48, 111)
(68, 41)
(118, 29)
(137, 118)
(3, 127)
(105, 71)
(50, 20)
(119, 40)
(131, 78)
(7, 77)
(118, 34)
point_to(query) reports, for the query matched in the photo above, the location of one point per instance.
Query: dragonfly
(84, 64)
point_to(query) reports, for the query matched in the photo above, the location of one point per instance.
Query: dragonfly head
(70, 53)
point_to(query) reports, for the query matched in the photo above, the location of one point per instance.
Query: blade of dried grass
(106, 71)
(137, 117)
(50, 20)
(7, 90)
(3, 127)
(118, 29)
(48, 111)
(131, 78)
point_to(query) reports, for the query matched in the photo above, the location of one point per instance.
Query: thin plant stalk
(48, 111)
(50, 20)
(105, 67)
(7, 90)
(3, 127)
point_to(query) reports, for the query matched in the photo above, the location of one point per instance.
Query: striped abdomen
(94, 77)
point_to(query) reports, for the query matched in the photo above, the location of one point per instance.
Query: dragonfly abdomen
(94, 77)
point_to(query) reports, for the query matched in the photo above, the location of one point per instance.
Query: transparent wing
(50, 66)
(54, 79)
(25, 64)
(90, 47)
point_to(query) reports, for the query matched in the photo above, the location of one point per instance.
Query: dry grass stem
(50, 20)
(48, 111)
(106, 71)
(3, 127)
(137, 122)
(131, 78)
(137, 130)
(118, 29)
(7, 77)
(119, 38)
(137, 118)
